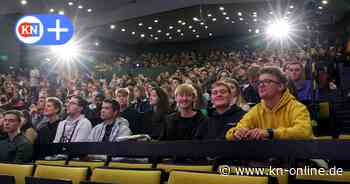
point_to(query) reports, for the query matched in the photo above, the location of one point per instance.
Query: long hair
(162, 105)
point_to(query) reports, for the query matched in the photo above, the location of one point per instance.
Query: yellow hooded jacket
(289, 119)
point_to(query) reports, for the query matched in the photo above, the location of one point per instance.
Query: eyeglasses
(267, 82)
(74, 103)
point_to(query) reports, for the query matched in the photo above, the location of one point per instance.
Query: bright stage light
(279, 29)
(66, 52)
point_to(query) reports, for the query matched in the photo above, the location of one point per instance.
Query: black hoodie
(218, 124)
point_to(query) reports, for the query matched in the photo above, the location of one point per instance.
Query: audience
(182, 125)
(278, 116)
(75, 128)
(47, 132)
(15, 147)
(225, 116)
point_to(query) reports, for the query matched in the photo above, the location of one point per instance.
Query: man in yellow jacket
(278, 116)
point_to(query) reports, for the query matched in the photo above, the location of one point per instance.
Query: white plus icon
(58, 30)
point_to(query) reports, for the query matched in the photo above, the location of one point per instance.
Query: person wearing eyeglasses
(75, 128)
(278, 116)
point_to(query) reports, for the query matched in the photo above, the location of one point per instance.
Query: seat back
(344, 177)
(92, 164)
(185, 177)
(130, 165)
(126, 176)
(170, 167)
(19, 171)
(50, 162)
(75, 174)
(344, 137)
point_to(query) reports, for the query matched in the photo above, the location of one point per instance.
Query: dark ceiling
(149, 21)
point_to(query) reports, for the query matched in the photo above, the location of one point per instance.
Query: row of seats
(178, 174)
(341, 137)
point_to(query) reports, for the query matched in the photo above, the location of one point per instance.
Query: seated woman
(182, 125)
(154, 120)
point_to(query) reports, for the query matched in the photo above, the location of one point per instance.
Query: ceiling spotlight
(140, 24)
(156, 38)
(52, 10)
(239, 14)
(142, 35)
(80, 6)
(70, 3)
(195, 19)
(179, 21)
(233, 22)
(179, 30)
(183, 23)
(150, 28)
(123, 30)
(271, 12)
(257, 31)
(249, 30)
(133, 33)
(89, 10)
(194, 30)
(241, 19)
(222, 8)
(197, 36)
(214, 19)
(227, 18)
(320, 7)
(24, 2)
(206, 27)
(291, 6)
(97, 44)
(202, 23)
(324, 2)
(255, 20)
(171, 27)
(156, 21)
(210, 34)
(224, 13)
(182, 34)
(255, 15)
(189, 27)
(210, 15)
(61, 12)
(170, 37)
(167, 34)
(112, 26)
(159, 31)
(151, 35)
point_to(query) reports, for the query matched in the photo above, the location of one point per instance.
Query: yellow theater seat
(344, 137)
(170, 167)
(130, 165)
(50, 162)
(92, 164)
(126, 176)
(75, 174)
(184, 177)
(344, 177)
(323, 138)
(19, 171)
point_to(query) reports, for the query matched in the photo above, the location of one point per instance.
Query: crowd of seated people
(221, 96)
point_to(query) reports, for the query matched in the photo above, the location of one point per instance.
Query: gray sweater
(119, 129)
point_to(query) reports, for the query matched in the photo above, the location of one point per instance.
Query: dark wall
(10, 47)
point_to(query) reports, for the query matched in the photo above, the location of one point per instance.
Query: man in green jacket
(15, 147)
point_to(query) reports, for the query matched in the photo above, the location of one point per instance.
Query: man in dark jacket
(15, 147)
(225, 115)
